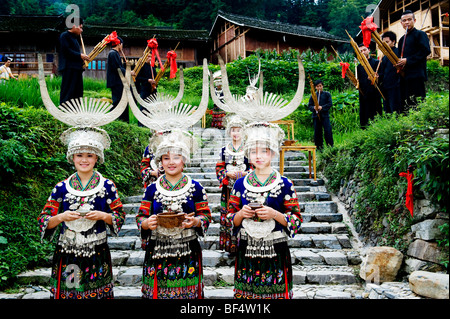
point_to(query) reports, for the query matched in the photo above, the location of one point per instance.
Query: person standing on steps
(173, 257)
(265, 212)
(231, 166)
(321, 118)
(79, 211)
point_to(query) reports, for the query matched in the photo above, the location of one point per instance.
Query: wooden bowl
(170, 219)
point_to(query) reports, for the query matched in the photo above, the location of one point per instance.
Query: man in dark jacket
(71, 64)
(370, 98)
(113, 80)
(389, 77)
(145, 80)
(414, 48)
(325, 103)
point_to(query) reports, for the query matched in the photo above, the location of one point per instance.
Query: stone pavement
(324, 255)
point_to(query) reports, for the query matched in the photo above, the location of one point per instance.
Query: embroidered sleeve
(234, 205)
(144, 213)
(292, 210)
(115, 204)
(50, 209)
(202, 210)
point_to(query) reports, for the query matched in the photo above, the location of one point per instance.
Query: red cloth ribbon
(409, 203)
(153, 44)
(345, 67)
(367, 27)
(112, 38)
(171, 56)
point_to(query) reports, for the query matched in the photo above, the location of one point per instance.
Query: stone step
(218, 281)
(312, 224)
(300, 291)
(337, 240)
(304, 175)
(324, 207)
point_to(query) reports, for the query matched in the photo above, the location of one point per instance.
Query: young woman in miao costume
(263, 206)
(81, 208)
(173, 258)
(231, 166)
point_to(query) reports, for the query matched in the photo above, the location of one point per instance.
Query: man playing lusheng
(414, 48)
(322, 123)
(71, 64)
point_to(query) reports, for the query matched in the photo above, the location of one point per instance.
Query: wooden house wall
(430, 19)
(233, 41)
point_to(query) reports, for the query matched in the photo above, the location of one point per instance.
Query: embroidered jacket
(100, 193)
(282, 198)
(193, 200)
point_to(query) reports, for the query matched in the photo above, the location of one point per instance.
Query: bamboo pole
(314, 97)
(85, 63)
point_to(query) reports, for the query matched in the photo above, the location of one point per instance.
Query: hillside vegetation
(32, 158)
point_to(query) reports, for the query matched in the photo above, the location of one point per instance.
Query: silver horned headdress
(84, 116)
(169, 119)
(261, 108)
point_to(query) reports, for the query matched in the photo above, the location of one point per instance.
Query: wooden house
(236, 36)
(432, 17)
(22, 37)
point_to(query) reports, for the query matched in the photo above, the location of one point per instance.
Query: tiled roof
(146, 32)
(285, 28)
(32, 23)
(19, 23)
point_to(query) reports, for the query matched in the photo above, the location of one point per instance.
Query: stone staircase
(325, 263)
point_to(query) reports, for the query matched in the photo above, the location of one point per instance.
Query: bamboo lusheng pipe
(365, 63)
(97, 50)
(314, 97)
(387, 51)
(140, 62)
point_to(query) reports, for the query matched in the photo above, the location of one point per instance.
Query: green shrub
(374, 158)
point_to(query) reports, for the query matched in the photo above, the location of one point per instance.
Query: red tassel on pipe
(409, 203)
(171, 56)
(153, 44)
(367, 27)
(345, 67)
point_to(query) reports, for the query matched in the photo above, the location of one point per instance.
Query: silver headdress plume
(260, 110)
(170, 121)
(85, 116)
(266, 106)
(81, 112)
(159, 100)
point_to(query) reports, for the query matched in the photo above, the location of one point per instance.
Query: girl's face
(261, 157)
(173, 164)
(236, 134)
(85, 162)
